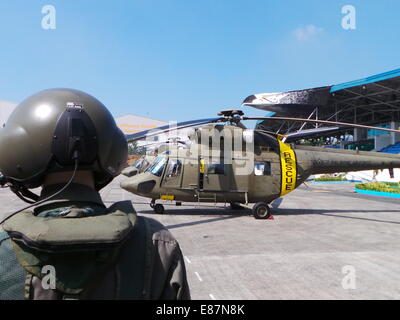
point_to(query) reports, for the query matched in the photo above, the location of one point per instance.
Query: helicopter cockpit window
(216, 168)
(157, 166)
(262, 168)
(145, 164)
(139, 163)
(174, 168)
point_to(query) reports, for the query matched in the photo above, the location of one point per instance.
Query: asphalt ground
(324, 242)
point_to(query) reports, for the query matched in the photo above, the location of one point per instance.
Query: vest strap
(28, 284)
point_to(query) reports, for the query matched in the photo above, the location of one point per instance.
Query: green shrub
(380, 186)
(327, 177)
(330, 179)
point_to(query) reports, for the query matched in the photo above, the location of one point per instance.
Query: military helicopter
(227, 163)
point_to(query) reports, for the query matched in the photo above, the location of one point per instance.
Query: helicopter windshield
(157, 166)
(138, 164)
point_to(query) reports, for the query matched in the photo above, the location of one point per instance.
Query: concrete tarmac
(325, 242)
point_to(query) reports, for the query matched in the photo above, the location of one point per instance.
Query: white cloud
(305, 33)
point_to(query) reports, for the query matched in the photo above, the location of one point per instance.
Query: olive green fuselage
(187, 176)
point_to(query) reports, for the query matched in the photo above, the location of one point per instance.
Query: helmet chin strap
(19, 189)
(22, 192)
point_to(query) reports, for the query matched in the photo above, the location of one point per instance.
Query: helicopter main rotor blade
(157, 143)
(298, 135)
(345, 124)
(171, 127)
(311, 132)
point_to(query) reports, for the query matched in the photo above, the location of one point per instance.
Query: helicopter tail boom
(323, 160)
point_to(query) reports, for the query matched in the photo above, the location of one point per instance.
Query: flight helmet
(54, 130)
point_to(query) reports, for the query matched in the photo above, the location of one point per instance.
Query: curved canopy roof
(372, 101)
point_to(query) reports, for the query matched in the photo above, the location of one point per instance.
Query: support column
(360, 134)
(394, 137)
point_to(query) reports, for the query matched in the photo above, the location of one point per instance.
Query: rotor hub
(233, 116)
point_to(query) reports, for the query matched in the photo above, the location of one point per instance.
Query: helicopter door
(173, 174)
(215, 177)
(265, 181)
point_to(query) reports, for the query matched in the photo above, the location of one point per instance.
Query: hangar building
(373, 101)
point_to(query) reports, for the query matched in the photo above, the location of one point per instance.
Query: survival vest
(106, 256)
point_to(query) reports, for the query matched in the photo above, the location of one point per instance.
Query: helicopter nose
(138, 186)
(129, 185)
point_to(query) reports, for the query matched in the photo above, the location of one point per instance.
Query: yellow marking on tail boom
(288, 168)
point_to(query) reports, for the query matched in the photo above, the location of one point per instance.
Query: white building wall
(130, 124)
(371, 175)
(6, 107)
(382, 141)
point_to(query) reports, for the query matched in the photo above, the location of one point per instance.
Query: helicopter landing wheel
(158, 208)
(152, 203)
(261, 210)
(236, 206)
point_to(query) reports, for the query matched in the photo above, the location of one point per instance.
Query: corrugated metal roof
(375, 78)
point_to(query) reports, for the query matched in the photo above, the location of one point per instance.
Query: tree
(133, 148)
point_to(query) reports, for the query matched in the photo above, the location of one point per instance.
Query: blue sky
(185, 59)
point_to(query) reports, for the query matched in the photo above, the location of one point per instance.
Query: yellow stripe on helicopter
(288, 168)
(167, 197)
(202, 165)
